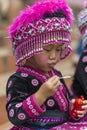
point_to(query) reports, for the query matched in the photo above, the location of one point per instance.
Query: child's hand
(50, 86)
(84, 109)
(80, 113)
(47, 89)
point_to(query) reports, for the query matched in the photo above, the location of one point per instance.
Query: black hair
(58, 14)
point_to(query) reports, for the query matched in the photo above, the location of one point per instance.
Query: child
(37, 98)
(79, 85)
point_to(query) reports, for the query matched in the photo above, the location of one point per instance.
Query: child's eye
(47, 50)
(58, 50)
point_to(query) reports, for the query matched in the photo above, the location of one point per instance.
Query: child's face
(46, 60)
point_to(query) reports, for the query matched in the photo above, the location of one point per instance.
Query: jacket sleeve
(21, 104)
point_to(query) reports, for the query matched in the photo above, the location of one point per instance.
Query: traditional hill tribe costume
(37, 26)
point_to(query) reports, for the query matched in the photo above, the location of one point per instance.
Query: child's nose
(53, 55)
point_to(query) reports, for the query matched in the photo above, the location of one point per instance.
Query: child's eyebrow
(47, 46)
(51, 46)
(60, 45)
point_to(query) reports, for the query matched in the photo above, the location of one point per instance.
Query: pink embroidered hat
(82, 23)
(43, 23)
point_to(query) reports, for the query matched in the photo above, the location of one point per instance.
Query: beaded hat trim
(31, 38)
(82, 19)
(82, 24)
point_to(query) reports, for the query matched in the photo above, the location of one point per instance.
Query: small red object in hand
(77, 106)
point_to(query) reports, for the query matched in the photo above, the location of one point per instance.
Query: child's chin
(49, 69)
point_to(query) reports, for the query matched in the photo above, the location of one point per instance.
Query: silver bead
(30, 31)
(56, 24)
(42, 29)
(67, 27)
(19, 37)
(14, 43)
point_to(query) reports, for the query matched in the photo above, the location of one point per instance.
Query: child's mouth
(51, 65)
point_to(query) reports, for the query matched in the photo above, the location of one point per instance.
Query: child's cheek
(44, 60)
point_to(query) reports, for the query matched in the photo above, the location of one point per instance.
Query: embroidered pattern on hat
(42, 27)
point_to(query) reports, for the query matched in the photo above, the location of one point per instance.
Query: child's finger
(81, 113)
(84, 107)
(55, 80)
(85, 102)
(80, 116)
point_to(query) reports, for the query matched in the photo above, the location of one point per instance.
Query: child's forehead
(54, 45)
